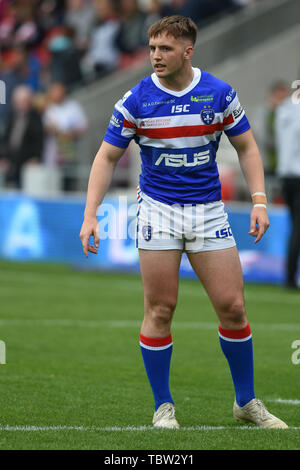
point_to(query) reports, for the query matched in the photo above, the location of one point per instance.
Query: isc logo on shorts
(178, 160)
(224, 233)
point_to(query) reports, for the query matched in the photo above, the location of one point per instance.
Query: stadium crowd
(50, 47)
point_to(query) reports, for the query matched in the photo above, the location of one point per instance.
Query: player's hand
(259, 223)
(90, 227)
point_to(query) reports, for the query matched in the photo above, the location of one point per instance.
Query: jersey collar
(195, 81)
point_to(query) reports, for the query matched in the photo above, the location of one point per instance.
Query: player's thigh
(221, 275)
(159, 271)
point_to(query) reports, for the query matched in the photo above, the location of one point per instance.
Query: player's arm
(252, 168)
(100, 178)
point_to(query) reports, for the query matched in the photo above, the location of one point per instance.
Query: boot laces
(262, 410)
(166, 410)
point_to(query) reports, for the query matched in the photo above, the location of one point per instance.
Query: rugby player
(177, 115)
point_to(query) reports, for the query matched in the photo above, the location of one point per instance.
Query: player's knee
(234, 313)
(161, 313)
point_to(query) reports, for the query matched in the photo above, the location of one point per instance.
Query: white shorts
(190, 228)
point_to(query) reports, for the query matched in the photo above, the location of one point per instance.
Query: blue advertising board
(47, 230)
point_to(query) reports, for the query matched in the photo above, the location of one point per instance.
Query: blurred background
(63, 65)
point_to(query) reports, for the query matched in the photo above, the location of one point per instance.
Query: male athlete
(176, 116)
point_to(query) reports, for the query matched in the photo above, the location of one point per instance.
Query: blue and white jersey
(178, 133)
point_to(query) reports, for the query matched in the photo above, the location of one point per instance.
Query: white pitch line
(132, 324)
(284, 401)
(130, 428)
(181, 325)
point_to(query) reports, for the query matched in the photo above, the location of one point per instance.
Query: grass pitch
(74, 377)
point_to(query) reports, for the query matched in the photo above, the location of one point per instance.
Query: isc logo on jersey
(180, 108)
(178, 160)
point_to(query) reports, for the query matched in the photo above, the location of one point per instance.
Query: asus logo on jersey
(180, 108)
(224, 233)
(178, 160)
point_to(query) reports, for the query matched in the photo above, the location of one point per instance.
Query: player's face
(168, 55)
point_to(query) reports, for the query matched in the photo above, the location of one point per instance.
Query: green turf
(73, 360)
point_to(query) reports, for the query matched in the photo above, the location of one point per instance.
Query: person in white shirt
(65, 122)
(287, 131)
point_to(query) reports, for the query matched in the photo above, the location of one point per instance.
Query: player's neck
(180, 81)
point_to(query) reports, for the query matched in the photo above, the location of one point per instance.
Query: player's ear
(189, 51)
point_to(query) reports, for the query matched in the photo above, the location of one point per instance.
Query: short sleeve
(122, 126)
(234, 117)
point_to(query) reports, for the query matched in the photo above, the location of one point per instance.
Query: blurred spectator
(103, 54)
(287, 129)
(11, 79)
(3, 6)
(27, 32)
(64, 64)
(27, 67)
(151, 6)
(199, 10)
(65, 122)
(22, 142)
(277, 93)
(50, 13)
(80, 15)
(19, 25)
(245, 3)
(264, 130)
(19, 68)
(7, 23)
(134, 26)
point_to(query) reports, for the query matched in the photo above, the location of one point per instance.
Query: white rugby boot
(164, 417)
(256, 412)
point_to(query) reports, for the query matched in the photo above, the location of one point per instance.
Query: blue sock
(237, 348)
(156, 354)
